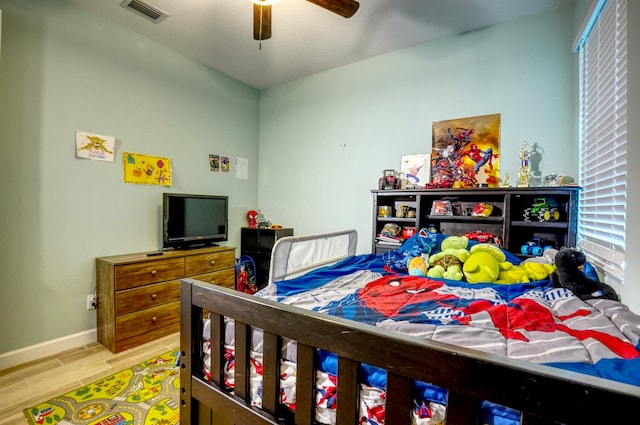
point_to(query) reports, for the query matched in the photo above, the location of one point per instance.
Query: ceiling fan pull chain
(260, 31)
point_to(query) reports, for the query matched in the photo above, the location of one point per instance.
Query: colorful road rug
(145, 394)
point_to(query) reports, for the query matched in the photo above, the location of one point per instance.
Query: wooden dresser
(139, 295)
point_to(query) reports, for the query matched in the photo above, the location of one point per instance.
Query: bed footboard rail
(543, 394)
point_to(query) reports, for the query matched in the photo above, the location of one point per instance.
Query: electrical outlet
(92, 302)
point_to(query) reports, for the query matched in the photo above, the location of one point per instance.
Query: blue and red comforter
(534, 322)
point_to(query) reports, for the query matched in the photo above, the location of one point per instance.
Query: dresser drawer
(132, 300)
(203, 263)
(147, 320)
(139, 274)
(226, 278)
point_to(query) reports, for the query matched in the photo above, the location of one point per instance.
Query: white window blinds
(602, 49)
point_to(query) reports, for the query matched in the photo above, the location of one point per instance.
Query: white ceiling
(307, 39)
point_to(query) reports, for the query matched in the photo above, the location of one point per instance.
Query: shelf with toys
(515, 217)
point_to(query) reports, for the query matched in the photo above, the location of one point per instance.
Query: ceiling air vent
(145, 10)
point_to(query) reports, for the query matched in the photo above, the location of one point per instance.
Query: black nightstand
(257, 243)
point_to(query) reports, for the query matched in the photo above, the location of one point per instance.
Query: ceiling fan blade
(344, 8)
(261, 22)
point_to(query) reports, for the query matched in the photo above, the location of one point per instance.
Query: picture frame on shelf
(441, 207)
(415, 170)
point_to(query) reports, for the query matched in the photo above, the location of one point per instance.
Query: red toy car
(484, 237)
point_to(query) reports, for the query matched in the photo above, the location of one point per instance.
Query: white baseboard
(47, 348)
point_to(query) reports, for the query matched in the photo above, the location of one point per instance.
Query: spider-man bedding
(531, 321)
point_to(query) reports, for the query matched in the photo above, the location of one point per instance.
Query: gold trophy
(525, 168)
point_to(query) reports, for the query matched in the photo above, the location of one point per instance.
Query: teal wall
(336, 131)
(62, 70)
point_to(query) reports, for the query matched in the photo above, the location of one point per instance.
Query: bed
(472, 354)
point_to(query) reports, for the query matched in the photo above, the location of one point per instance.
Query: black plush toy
(569, 275)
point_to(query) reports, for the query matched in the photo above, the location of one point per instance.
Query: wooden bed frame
(543, 394)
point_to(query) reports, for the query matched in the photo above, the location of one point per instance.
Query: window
(602, 48)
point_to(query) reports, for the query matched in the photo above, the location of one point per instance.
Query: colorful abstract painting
(466, 152)
(146, 169)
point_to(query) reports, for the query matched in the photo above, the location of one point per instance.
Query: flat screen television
(191, 221)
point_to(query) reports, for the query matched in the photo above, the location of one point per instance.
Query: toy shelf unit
(520, 219)
(395, 216)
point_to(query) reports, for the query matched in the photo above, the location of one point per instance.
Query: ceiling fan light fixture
(262, 14)
(261, 20)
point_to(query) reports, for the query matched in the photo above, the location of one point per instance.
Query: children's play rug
(142, 395)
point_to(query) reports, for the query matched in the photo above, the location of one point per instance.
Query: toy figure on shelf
(505, 180)
(524, 173)
(263, 223)
(389, 180)
(252, 218)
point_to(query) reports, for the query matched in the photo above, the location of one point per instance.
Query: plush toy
(488, 263)
(482, 266)
(448, 262)
(417, 246)
(538, 271)
(568, 274)
(510, 273)
(541, 267)
(455, 242)
(417, 267)
(452, 271)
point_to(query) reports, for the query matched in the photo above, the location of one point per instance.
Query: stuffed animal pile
(452, 257)
(448, 262)
(457, 260)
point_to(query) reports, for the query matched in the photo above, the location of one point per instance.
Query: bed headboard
(295, 255)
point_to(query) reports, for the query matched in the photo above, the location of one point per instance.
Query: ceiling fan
(262, 13)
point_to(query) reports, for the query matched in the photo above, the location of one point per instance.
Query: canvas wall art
(466, 152)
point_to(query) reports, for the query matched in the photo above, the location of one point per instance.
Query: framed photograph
(441, 208)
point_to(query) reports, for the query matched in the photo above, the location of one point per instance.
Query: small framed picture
(441, 208)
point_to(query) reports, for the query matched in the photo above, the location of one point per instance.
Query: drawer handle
(154, 319)
(154, 296)
(153, 272)
(212, 262)
(212, 281)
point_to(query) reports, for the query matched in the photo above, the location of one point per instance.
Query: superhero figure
(479, 156)
(252, 218)
(463, 138)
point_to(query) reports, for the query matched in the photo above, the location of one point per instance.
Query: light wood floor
(26, 385)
